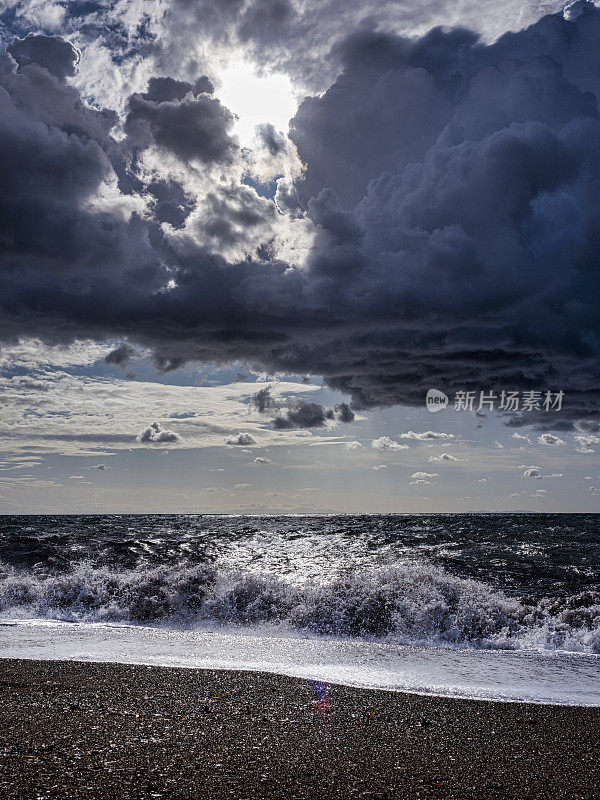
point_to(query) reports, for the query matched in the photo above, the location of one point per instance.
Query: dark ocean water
(506, 581)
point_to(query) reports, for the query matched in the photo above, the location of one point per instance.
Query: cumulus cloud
(550, 439)
(263, 400)
(426, 436)
(587, 442)
(242, 439)
(423, 479)
(100, 467)
(352, 445)
(302, 415)
(521, 437)
(262, 460)
(443, 458)
(532, 472)
(343, 413)
(385, 443)
(155, 433)
(379, 466)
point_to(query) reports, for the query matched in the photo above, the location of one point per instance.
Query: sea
(488, 606)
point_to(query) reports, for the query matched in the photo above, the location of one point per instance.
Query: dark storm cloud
(121, 355)
(344, 413)
(273, 140)
(468, 213)
(230, 214)
(173, 205)
(165, 90)
(299, 413)
(263, 401)
(183, 119)
(303, 415)
(61, 259)
(454, 187)
(59, 57)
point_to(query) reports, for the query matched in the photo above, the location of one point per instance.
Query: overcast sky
(241, 240)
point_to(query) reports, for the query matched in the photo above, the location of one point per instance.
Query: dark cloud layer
(454, 187)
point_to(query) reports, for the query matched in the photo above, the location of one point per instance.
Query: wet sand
(81, 730)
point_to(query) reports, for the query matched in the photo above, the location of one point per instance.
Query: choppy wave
(411, 603)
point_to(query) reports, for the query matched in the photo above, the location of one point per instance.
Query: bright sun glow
(256, 99)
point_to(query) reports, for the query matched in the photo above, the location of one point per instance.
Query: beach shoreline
(73, 729)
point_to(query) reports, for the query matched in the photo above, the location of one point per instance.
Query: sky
(240, 242)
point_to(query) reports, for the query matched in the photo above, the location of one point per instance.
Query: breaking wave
(412, 603)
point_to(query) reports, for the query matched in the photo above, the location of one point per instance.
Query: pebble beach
(88, 730)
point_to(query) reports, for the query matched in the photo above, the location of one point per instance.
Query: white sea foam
(409, 604)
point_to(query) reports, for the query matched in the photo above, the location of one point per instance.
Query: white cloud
(444, 457)
(423, 479)
(262, 460)
(532, 472)
(500, 446)
(521, 437)
(243, 439)
(550, 439)
(156, 433)
(352, 445)
(385, 443)
(426, 435)
(32, 354)
(380, 466)
(97, 416)
(587, 442)
(100, 467)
